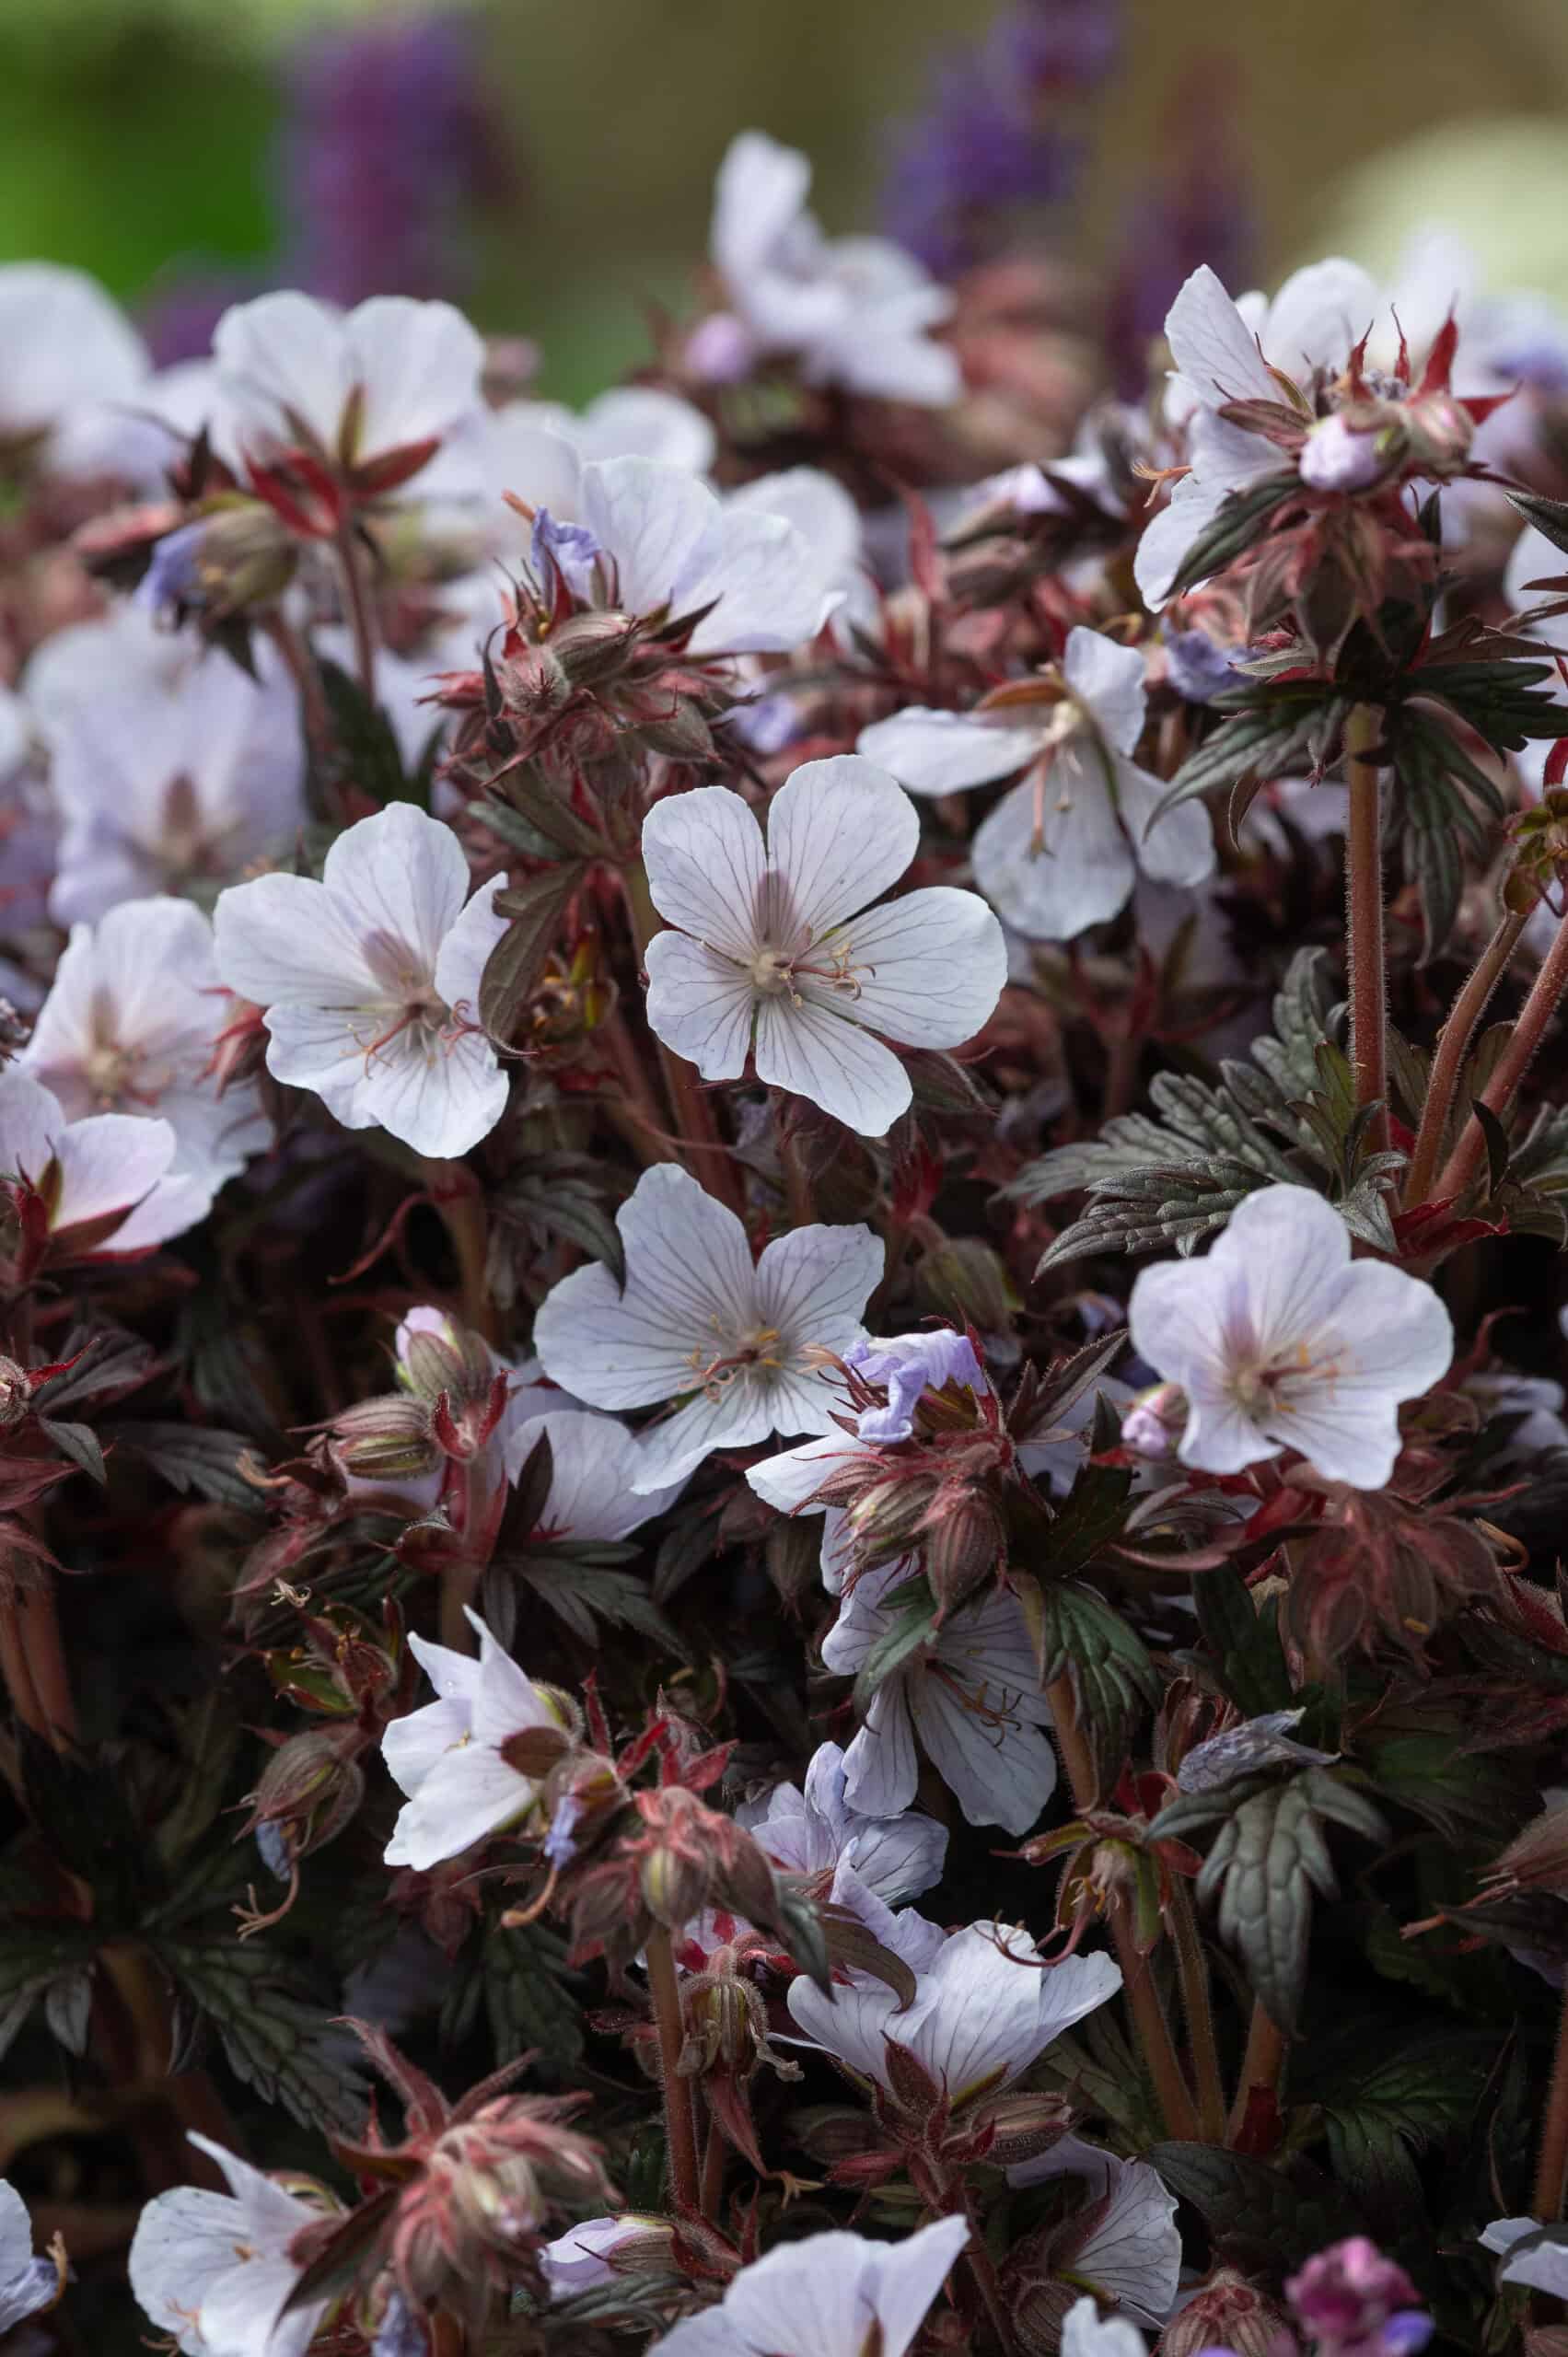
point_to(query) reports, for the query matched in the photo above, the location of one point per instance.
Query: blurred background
(550, 166)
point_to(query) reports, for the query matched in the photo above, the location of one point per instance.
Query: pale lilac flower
(972, 1697)
(28, 2284)
(448, 1755)
(815, 1831)
(853, 311)
(69, 351)
(1126, 2243)
(778, 956)
(370, 981)
(1354, 2301)
(214, 2269)
(1281, 1341)
(1064, 849)
(1532, 2254)
(109, 1181)
(698, 1321)
(580, 2257)
(170, 773)
(388, 377)
(830, 2296)
(907, 1365)
(128, 1026)
(986, 2004)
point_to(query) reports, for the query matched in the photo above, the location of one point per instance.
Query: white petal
(420, 364)
(184, 2243)
(773, 589)
(439, 1095)
(465, 952)
(929, 969)
(1215, 353)
(400, 878)
(699, 1003)
(733, 1416)
(804, 2299)
(595, 1464)
(1133, 2254)
(946, 752)
(414, 1744)
(283, 352)
(1085, 2333)
(908, 2275)
(1000, 1770)
(650, 519)
(1111, 680)
(64, 341)
(1083, 874)
(881, 1772)
(1281, 1260)
(789, 1480)
(760, 193)
(705, 861)
(813, 1285)
(468, 1792)
(1318, 315)
(841, 833)
(641, 421)
(281, 938)
(1179, 525)
(1176, 849)
(820, 1054)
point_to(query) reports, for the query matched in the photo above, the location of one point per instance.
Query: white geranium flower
(1085, 2333)
(69, 349)
(815, 1831)
(972, 1697)
(830, 2296)
(168, 772)
(387, 377)
(1281, 1341)
(1532, 2254)
(128, 1026)
(699, 1320)
(595, 1464)
(448, 1756)
(986, 2003)
(1126, 2243)
(214, 2269)
(853, 311)
(370, 979)
(28, 2284)
(628, 422)
(779, 958)
(1063, 850)
(109, 1182)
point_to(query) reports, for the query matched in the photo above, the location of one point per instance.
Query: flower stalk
(707, 1158)
(1535, 1020)
(1366, 951)
(681, 2132)
(1453, 1046)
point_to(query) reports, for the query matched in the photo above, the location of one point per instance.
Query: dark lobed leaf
(192, 1458)
(1263, 2217)
(563, 1195)
(911, 1623)
(585, 1593)
(366, 738)
(1268, 732)
(1243, 519)
(1244, 1642)
(1549, 517)
(1379, 2107)
(529, 1998)
(1112, 1677)
(79, 1443)
(276, 2039)
(33, 1958)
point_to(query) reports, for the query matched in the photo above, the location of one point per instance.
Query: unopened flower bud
(1349, 453)
(1441, 431)
(965, 1279)
(1154, 1422)
(1228, 2311)
(532, 680)
(888, 1519)
(1022, 2126)
(389, 1439)
(721, 349)
(16, 1395)
(674, 1888)
(309, 1790)
(592, 648)
(437, 1356)
(235, 560)
(962, 1540)
(726, 2026)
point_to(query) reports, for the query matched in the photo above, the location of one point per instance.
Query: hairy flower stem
(456, 1195)
(1535, 1018)
(1364, 917)
(706, 1155)
(1453, 1047)
(1192, 1978)
(680, 2131)
(1551, 2163)
(1139, 1986)
(1260, 2068)
(357, 602)
(982, 2270)
(715, 2152)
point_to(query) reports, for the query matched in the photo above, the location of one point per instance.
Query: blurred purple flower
(391, 141)
(1197, 207)
(988, 143)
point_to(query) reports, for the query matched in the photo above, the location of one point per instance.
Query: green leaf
(288, 2048)
(1093, 1515)
(912, 1622)
(513, 968)
(529, 2000)
(1268, 732)
(193, 1457)
(1244, 1642)
(1112, 1677)
(1262, 2217)
(366, 738)
(1378, 2109)
(584, 1594)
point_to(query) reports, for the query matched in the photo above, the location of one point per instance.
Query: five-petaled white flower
(986, 2003)
(108, 1183)
(370, 981)
(168, 772)
(830, 2296)
(214, 2269)
(388, 379)
(972, 1696)
(699, 1320)
(129, 1026)
(854, 311)
(1064, 848)
(1281, 1341)
(779, 957)
(448, 1758)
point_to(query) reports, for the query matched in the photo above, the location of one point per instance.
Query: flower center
(1268, 1390)
(761, 1346)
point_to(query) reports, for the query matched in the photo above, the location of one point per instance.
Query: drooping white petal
(819, 1054)
(881, 1769)
(1179, 847)
(946, 752)
(770, 589)
(469, 1791)
(999, 1768)
(1110, 680)
(1083, 874)
(595, 1464)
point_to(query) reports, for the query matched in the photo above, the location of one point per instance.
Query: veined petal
(1083, 874)
(1000, 1769)
(735, 1414)
(699, 1003)
(465, 952)
(841, 833)
(1176, 849)
(1110, 680)
(818, 1053)
(880, 1768)
(595, 1468)
(439, 1095)
(928, 969)
(282, 939)
(908, 2276)
(813, 1284)
(1319, 315)
(650, 519)
(705, 861)
(946, 752)
(468, 1792)
(283, 352)
(398, 879)
(420, 364)
(1215, 353)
